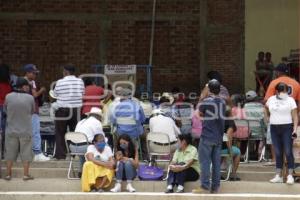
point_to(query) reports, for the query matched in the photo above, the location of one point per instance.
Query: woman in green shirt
(185, 166)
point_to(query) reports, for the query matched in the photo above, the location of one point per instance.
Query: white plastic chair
(161, 138)
(75, 138)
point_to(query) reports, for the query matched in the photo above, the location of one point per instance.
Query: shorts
(235, 151)
(16, 144)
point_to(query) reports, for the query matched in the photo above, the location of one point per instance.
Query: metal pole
(152, 33)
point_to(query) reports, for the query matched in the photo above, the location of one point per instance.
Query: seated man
(163, 124)
(230, 128)
(89, 126)
(128, 116)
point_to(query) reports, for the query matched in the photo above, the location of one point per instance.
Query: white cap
(95, 110)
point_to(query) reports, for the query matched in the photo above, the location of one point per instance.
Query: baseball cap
(21, 82)
(250, 95)
(31, 68)
(282, 68)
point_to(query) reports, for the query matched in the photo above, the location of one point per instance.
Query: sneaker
(290, 180)
(117, 188)
(277, 179)
(41, 158)
(129, 188)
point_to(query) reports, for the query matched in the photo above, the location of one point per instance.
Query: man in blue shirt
(212, 109)
(128, 116)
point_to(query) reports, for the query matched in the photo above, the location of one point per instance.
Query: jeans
(179, 178)
(283, 143)
(126, 171)
(210, 153)
(36, 135)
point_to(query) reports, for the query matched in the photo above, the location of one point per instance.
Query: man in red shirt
(92, 96)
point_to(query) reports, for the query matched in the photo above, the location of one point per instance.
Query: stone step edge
(158, 194)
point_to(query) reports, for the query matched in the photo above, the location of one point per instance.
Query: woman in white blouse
(98, 171)
(284, 122)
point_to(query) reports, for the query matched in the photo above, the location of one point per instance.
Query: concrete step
(140, 196)
(62, 172)
(261, 167)
(63, 185)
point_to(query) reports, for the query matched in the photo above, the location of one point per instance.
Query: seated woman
(185, 166)
(128, 162)
(230, 128)
(98, 171)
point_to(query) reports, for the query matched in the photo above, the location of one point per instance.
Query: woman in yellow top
(185, 165)
(98, 170)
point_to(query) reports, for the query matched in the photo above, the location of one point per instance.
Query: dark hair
(261, 53)
(164, 99)
(214, 75)
(131, 146)
(281, 87)
(88, 81)
(4, 73)
(268, 53)
(186, 137)
(96, 136)
(214, 86)
(70, 68)
(238, 100)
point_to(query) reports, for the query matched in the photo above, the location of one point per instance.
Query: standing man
(212, 109)
(19, 107)
(69, 93)
(31, 73)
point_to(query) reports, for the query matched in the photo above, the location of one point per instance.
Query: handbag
(150, 173)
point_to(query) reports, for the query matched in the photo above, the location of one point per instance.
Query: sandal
(7, 178)
(27, 178)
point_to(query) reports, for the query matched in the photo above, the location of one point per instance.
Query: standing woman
(128, 164)
(284, 122)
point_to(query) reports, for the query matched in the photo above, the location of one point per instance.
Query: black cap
(282, 68)
(214, 86)
(70, 68)
(21, 82)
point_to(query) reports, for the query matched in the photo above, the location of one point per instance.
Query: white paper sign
(119, 69)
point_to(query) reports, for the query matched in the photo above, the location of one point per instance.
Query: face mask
(124, 146)
(283, 96)
(100, 146)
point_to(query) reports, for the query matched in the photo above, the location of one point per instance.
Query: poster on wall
(120, 73)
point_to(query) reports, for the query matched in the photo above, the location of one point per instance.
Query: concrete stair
(51, 183)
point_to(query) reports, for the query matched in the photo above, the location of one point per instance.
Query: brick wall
(86, 32)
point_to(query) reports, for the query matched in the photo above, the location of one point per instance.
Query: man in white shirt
(89, 126)
(69, 92)
(163, 124)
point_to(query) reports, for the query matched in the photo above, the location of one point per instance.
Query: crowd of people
(116, 124)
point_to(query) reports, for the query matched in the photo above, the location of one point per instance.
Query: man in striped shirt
(69, 92)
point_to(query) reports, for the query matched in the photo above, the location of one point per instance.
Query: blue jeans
(36, 135)
(282, 141)
(126, 171)
(210, 153)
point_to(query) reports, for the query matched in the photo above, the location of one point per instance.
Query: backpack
(150, 173)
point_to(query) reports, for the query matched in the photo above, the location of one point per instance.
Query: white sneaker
(117, 188)
(41, 158)
(277, 179)
(129, 188)
(290, 180)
